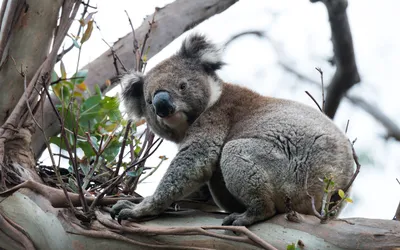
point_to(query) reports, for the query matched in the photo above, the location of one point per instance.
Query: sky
(301, 34)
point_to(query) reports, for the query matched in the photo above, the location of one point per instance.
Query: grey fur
(251, 150)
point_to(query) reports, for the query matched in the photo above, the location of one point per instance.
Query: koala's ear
(196, 46)
(132, 94)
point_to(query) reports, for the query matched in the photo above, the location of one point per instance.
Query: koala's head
(177, 91)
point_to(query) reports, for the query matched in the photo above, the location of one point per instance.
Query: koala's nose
(163, 105)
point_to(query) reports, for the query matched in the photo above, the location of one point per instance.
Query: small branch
(322, 88)
(69, 150)
(154, 169)
(118, 180)
(121, 153)
(312, 200)
(316, 103)
(256, 33)
(346, 74)
(358, 166)
(134, 40)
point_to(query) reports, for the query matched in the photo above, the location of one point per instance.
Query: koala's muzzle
(163, 104)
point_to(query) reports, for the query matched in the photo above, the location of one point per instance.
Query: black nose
(163, 104)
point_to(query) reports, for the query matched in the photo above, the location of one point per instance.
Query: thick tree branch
(171, 21)
(346, 74)
(52, 223)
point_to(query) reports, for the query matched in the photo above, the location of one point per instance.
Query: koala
(252, 151)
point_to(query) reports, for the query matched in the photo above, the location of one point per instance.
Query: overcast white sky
(303, 33)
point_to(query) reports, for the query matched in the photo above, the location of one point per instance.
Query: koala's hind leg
(243, 167)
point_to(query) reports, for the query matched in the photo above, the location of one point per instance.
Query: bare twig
(316, 103)
(121, 153)
(346, 74)
(322, 88)
(134, 40)
(257, 33)
(84, 12)
(69, 150)
(163, 158)
(347, 126)
(118, 180)
(312, 200)
(358, 166)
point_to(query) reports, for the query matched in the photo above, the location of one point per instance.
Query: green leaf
(349, 200)
(54, 76)
(136, 151)
(90, 110)
(63, 91)
(79, 76)
(74, 41)
(88, 32)
(86, 148)
(85, 168)
(87, 18)
(341, 194)
(72, 185)
(111, 108)
(112, 150)
(98, 90)
(135, 173)
(291, 247)
(57, 141)
(62, 69)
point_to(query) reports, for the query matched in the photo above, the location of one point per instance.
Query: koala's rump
(285, 146)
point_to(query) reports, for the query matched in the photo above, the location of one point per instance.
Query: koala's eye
(149, 101)
(182, 86)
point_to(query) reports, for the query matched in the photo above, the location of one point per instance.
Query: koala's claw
(236, 219)
(112, 214)
(120, 206)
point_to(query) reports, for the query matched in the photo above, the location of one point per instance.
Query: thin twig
(347, 126)
(118, 180)
(134, 40)
(358, 166)
(69, 150)
(322, 88)
(312, 98)
(121, 153)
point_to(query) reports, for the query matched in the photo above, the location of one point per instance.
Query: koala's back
(286, 142)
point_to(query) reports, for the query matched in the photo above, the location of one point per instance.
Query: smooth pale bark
(25, 49)
(49, 229)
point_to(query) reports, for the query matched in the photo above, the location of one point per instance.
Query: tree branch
(171, 21)
(346, 74)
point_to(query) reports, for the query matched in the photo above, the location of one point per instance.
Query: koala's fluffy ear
(132, 94)
(196, 46)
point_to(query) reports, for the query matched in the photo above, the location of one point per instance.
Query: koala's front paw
(123, 210)
(236, 219)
